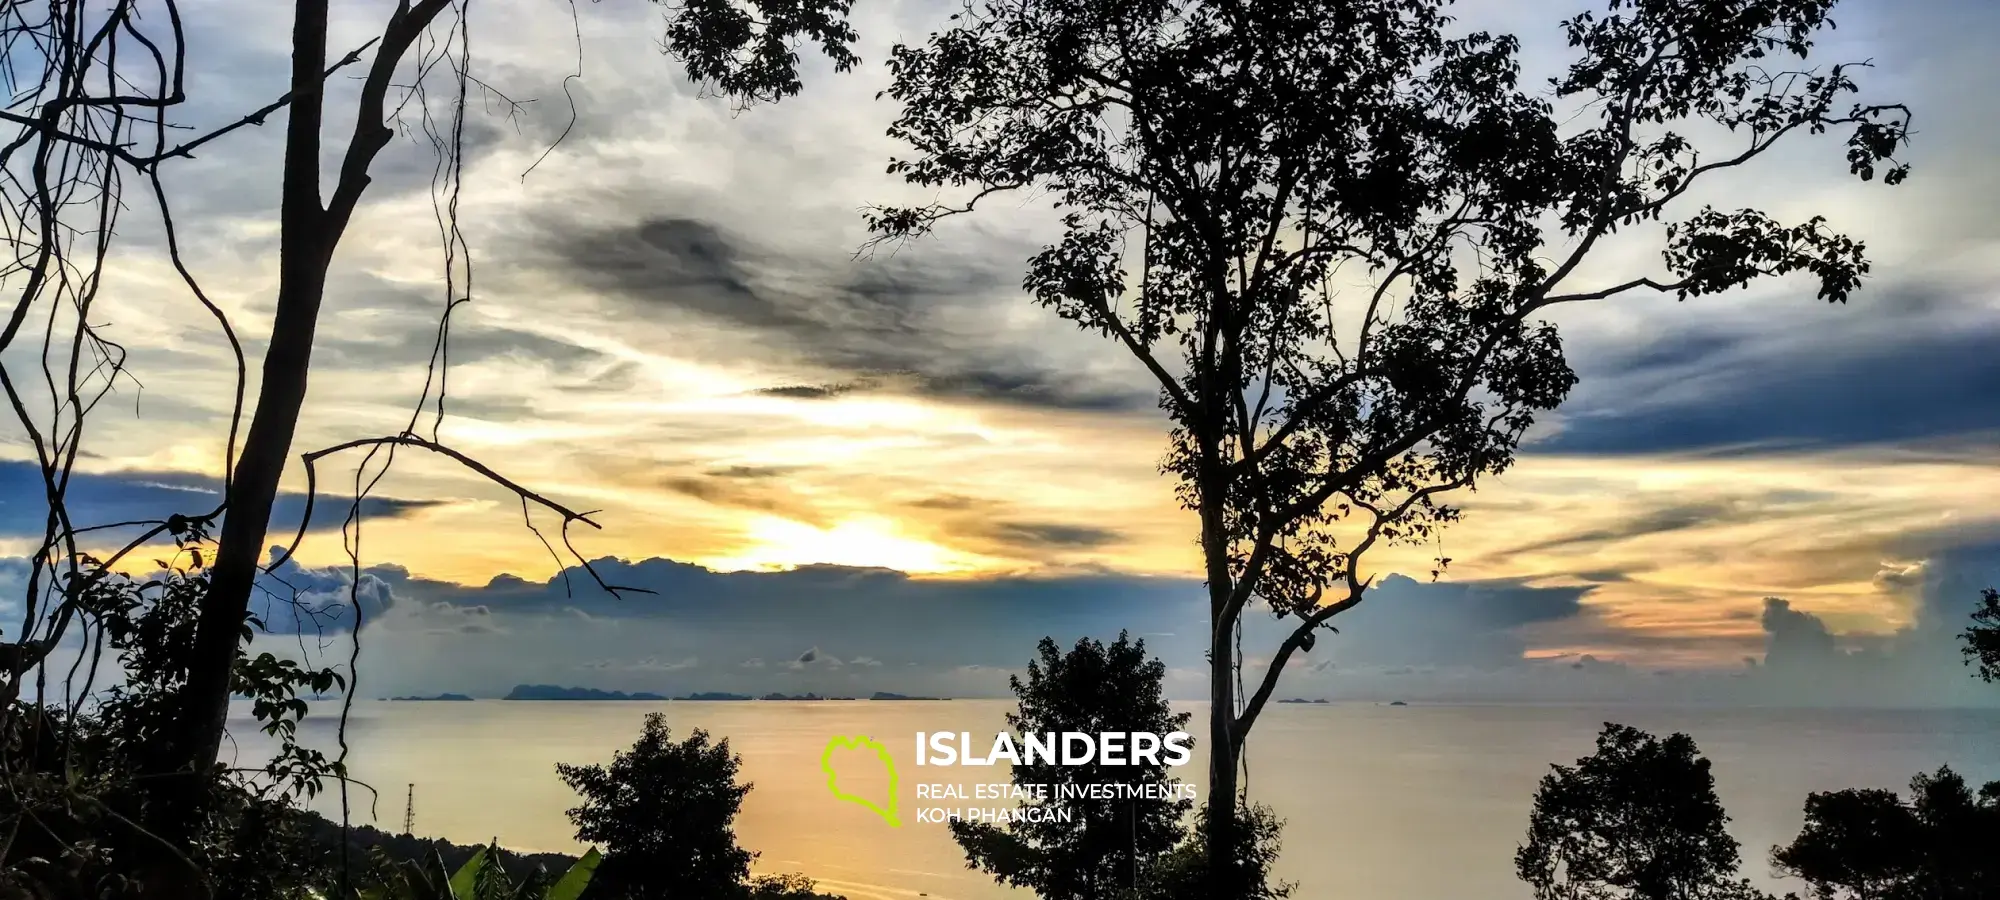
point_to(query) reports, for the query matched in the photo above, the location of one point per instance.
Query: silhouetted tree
(1942, 844)
(94, 89)
(1321, 227)
(664, 814)
(1106, 845)
(1637, 820)
(1982, 637)
(744, 48)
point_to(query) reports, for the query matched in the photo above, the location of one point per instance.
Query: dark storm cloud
(1717, 393)
(889, 324)
(135, 496)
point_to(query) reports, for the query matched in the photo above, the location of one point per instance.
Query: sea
(1379, 801)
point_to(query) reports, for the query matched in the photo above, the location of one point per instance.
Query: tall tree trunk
(304, 253)
(311, 227)
(1225, 880)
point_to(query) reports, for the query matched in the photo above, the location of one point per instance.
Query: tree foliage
(1862, 844)
(1105, 846)
(484, 876)
(1982, 637)
(748, 50)
(1636, 820)
(74, 790)
(1330, 231)
(664, 812)
(1183, 873)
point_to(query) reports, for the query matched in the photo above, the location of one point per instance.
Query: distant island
(1397, 703)
(556, 692)
(457, 698)
(885, 695)
(1299, 700)
(715, 696)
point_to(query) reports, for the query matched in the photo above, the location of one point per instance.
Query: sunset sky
(671, 324)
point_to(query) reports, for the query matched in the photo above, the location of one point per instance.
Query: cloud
(646, 664)
(103, 498)
(807, 391)
(1795, 639)
(299, 600)
(1035, 535)
(1906, 370)
(1806, 661)
(1659, 520)
(1404, 622)
(928, 328)
(882, 630)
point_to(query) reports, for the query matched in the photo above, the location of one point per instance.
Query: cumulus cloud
(1794, 639)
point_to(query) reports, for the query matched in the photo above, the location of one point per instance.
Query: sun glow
(865, 541)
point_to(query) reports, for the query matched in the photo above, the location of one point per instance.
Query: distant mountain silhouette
(557, 692)
(451, 697)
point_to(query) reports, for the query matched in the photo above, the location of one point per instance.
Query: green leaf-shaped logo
(886, 810)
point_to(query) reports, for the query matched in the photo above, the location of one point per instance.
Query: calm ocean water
(1422, 802)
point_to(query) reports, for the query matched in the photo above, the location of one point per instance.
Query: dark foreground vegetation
(662, 813)
(1639, 820)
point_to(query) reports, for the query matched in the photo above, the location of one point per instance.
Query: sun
(861, 541)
